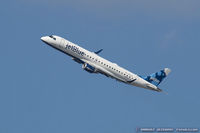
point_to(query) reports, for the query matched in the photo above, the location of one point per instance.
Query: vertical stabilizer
(157, 78)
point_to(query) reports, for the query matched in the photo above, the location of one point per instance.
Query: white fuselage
(100, 64)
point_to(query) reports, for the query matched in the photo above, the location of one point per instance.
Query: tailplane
(157, 78)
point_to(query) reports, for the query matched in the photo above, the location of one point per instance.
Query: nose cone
(44, 39)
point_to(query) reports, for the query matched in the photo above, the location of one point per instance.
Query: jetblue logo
(74, 49)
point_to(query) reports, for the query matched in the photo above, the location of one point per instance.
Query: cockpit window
(52, 37)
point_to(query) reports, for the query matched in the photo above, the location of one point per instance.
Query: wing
(97, 52)
(102, 70)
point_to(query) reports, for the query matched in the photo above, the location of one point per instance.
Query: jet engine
(89, 68)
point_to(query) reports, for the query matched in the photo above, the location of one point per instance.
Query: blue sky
(43, 90)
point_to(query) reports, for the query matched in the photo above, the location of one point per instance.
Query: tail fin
(157, 78)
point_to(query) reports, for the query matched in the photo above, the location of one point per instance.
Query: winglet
(97, 52)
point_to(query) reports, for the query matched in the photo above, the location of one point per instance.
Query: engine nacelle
(89, 68)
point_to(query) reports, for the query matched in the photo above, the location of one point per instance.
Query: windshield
(52, 37)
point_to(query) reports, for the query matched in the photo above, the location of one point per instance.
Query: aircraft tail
(157, 78)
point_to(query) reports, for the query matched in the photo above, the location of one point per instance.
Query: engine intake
(89, 68)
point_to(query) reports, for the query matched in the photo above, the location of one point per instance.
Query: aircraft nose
(44, 39)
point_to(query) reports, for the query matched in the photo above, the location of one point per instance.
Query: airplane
(93, 63)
